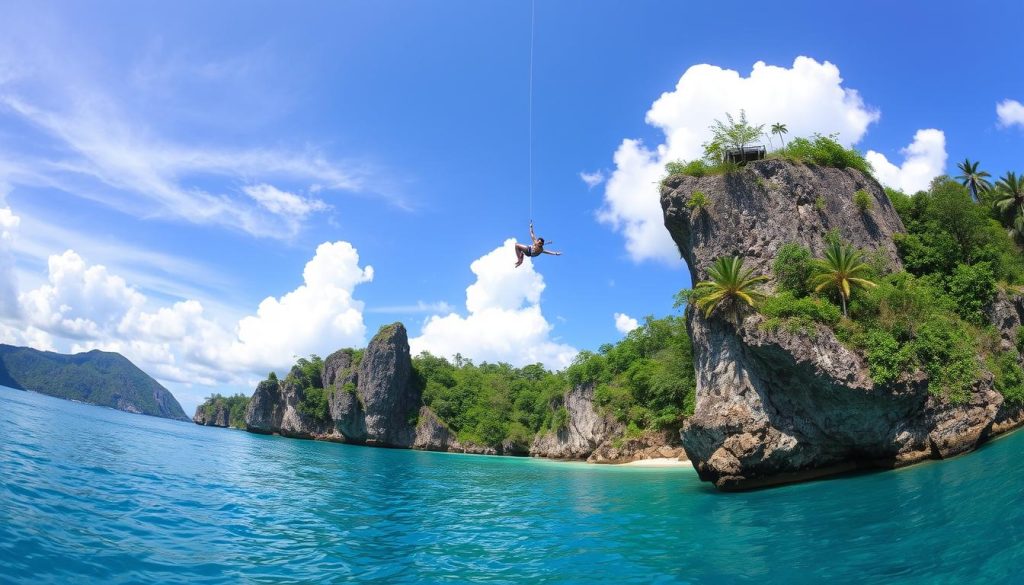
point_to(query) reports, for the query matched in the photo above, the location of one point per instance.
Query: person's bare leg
(519, 254)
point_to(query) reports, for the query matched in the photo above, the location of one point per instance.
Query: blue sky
(193, 157)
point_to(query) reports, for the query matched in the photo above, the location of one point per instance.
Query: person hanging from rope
(533, 250)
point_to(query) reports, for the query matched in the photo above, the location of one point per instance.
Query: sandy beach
(659, 462)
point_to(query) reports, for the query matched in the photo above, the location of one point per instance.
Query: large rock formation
(374, 402)
(217, 417)
(386, 392)
(585, 429)
(776, 406)
(274, 409)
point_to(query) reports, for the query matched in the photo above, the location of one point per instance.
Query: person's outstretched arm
(533, 238)
(553, 253)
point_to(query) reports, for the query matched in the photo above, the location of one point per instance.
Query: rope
(532, 26)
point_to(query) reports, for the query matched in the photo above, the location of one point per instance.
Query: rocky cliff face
(274, 410)
(583, 432)
(375, 402)
(217, 418)
(776, 406)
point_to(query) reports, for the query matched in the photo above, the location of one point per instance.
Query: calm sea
(92, 495)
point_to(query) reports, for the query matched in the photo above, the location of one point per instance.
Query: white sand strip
(659, 462)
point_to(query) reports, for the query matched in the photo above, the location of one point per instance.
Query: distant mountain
(96, 377)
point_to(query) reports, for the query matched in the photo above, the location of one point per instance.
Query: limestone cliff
(775, 406)
(374, 402)
(599, 438)
(218, 417)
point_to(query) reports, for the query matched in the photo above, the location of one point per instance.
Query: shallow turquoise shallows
(94, 495)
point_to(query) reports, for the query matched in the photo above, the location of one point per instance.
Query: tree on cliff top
(734, 134)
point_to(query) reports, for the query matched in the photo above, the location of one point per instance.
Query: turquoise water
(89, 494)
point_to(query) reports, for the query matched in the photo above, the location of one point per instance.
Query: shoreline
(656, 462)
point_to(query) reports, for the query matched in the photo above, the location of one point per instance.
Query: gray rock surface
(218, 418)
(770, 203)
(265, 410)
(432, 434)
(585, 430)
(650, 445)
(388, 397)
(777, 406)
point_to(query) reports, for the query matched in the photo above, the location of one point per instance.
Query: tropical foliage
(1009, 203)
(729, 283)
(731, 134)
(235, 406)
(972, 178)
(842, 269)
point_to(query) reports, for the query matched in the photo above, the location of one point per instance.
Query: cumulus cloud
(808, 97)
(592, 179)
(624, 323)
(504, 322)
(923, 160)
(1010, 113)
(94, 309)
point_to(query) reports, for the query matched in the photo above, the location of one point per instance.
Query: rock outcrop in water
(217, 418)
(775, 406)
(373, 403)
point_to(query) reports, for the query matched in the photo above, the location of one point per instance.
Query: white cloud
(320, 314)
(94, 309)
(79, 301)
(592, 179)
(281, 202)
(624, 323)
(923, 160)
(1010, 113)
(808, 97)
(504, 321)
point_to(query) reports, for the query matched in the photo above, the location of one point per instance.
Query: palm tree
(973, 179)
(1009, 202)
(842, 268)
(729, 282)
(780, 129)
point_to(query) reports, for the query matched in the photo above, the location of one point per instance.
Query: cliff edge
(775, 405)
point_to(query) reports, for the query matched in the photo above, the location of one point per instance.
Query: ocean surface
(93, 495)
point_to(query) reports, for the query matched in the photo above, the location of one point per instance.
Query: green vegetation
(95, 377)
(732, 134)
(780, 129)
(491, 404)
(307, 376)
(698, 200)
(647, 379)
(842, 269)
(974, 179)
(862, 199)
(1009, 203)
(729, 283)
(819, 203)
(824, 151)
(793, 269)
(798, 313)
(957, 254)
(234, 405)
